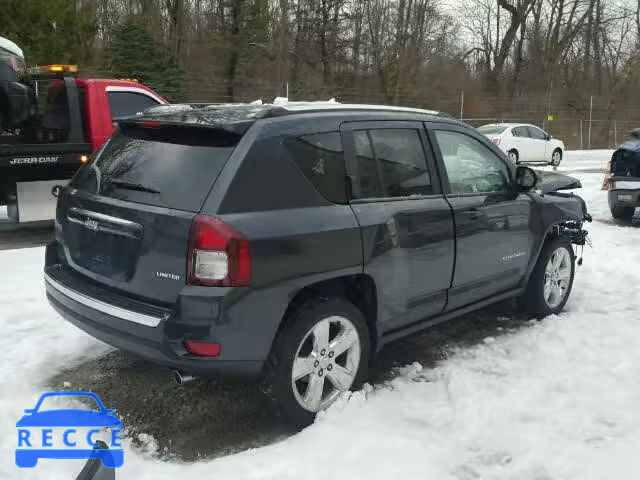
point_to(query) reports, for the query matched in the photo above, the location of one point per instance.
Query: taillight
(202, 349)
(495, 140)
(219, 255)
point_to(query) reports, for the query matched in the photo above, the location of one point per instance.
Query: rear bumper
(152, 332)
(625, 197)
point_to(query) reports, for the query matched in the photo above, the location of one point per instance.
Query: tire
(622, 213)
(514, 156)
(541, 299)
(297, 340)
(556, 157)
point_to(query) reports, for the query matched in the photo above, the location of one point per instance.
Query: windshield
(171, 167)
(492, 129)
(626, 162)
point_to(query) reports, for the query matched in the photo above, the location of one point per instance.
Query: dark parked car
(623, 178)
(294, 241)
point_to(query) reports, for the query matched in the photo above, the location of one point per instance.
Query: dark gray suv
(292, 242)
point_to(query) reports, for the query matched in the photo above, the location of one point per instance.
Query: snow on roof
(11, 47)
(227, 113)
(333, 105)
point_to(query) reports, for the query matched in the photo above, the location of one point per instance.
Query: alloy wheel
(557, 276)
(556, 158)
(326, 363)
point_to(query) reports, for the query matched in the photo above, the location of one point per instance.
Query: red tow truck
(72, 118)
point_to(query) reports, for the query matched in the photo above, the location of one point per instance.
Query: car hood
(69, 418)
(552, 182)
(561, 205)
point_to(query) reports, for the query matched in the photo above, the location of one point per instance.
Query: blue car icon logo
(35, 433)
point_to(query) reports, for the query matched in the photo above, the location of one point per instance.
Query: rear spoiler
(190, 122)
(184, 133)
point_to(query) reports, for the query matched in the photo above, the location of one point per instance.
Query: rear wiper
(132, 186)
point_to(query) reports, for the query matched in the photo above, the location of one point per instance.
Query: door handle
(473, 213)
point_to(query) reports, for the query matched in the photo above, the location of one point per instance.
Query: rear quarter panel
(297, 237)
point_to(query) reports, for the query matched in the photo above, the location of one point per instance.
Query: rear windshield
(172, 167)
(491, 129)
(626, 163)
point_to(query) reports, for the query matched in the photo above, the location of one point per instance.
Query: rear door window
(536, 133)
(127, 104)
(520, 132)
(370, 176)
(172, 167)
(391, 163)
(320, 158)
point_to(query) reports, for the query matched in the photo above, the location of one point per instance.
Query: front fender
(558, 209)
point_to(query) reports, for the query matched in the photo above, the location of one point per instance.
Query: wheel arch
(550, 233)
(359, 289)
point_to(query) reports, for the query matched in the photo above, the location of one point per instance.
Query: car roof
(508, 125)
(257, 110)
(238, 117)
(300, 107)
(511, 125)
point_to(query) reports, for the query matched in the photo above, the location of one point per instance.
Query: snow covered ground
(553, 400)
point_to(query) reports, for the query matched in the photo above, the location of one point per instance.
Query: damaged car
(622, 179)
(291, 242)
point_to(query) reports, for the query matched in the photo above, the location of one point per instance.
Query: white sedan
(525, 143)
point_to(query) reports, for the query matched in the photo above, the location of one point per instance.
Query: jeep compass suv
(293, 241)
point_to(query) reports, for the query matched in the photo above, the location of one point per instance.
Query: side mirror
(549, 136)
(526, 178)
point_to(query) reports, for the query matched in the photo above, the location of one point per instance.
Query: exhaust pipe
(181, 378)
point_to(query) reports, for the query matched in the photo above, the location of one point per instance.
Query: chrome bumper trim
(118, 312)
